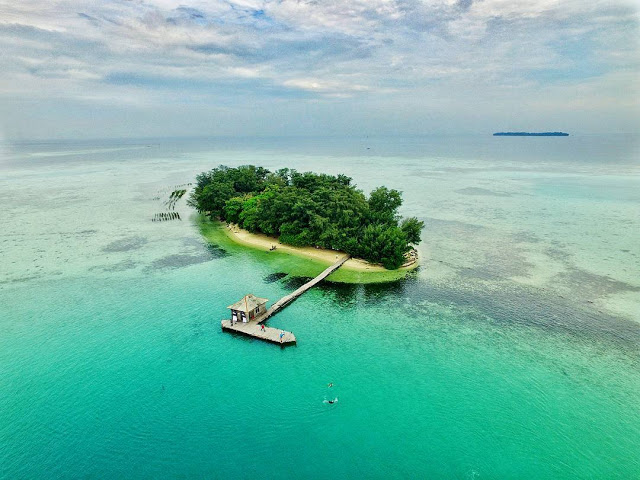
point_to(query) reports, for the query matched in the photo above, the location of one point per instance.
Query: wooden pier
(254, 328)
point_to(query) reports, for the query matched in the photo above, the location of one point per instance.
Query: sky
(142, 68)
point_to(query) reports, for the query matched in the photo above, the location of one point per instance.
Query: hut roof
(248, 303)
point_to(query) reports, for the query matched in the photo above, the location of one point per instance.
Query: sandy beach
(264, 242)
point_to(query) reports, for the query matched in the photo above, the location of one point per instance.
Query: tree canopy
(310, 209)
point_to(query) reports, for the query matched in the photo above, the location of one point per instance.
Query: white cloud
(328, 86)
(151, 52)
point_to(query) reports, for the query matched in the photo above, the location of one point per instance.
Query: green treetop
(310, 209)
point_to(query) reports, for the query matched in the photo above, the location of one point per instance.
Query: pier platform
(254, 329)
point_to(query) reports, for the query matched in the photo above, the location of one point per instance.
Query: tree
(248, 217)
(412, 228)
(214, 196)
(383, 244)
(384, 205)
(233, 208)
(248, 178)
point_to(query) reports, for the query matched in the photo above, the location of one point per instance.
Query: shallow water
(514, 351)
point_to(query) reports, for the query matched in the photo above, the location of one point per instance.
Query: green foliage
(385, 244)
(384, 205)
(232, 209)
(309, 209)
(412, 228)
(248, 217)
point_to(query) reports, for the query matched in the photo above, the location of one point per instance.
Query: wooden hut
(247, 308)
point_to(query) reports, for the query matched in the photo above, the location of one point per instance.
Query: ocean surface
(513, 352)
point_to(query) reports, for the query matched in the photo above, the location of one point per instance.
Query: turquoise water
(513, 353)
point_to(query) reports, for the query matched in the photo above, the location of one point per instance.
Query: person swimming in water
(335, 400)
(330, 385)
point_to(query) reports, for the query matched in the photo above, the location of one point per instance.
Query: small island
(309, 210)
(530, 134)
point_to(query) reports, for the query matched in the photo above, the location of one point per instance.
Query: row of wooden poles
(176, 195)
(163, 217)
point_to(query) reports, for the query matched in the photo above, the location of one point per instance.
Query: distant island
(310, 210)
(530, 134)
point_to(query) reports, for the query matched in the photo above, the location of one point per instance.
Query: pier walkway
(254, 328)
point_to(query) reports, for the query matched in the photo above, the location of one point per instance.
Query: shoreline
(263, 242)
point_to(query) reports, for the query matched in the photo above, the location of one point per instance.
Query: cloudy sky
(98, 69)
